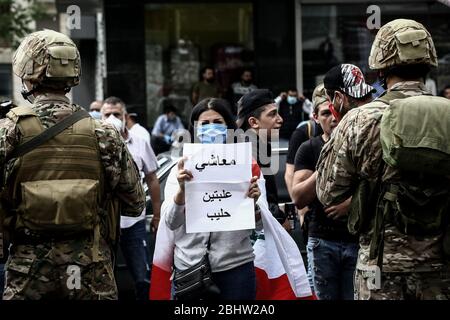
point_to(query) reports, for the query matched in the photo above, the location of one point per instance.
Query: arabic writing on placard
(216, 197)
(221, 206)
(210, 197)
(214, 161)
(219, 162)
(218, 215)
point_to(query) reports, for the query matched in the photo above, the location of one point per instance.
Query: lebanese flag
(280, 272)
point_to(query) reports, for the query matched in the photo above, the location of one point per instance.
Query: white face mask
(117, 123)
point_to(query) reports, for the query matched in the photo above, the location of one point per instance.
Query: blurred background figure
(207, 87)
(431, 86)
(446, 92)
(94, 109)
(239, 88)
(133, 237)
(165, 126)
(135, 128)
(293, 108)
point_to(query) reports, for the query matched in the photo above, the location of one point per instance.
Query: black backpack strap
(313, 127)
(48, 134)
(309, 129)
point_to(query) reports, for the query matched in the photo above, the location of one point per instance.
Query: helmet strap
(28, 94)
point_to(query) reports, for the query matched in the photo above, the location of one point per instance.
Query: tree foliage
(15, 19)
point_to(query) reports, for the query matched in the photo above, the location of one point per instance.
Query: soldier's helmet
(402, 42)
(48, 58)
(319, 96)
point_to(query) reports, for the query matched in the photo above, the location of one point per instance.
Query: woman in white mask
(230, 253)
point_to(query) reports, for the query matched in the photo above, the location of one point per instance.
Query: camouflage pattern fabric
(40, 270)
(405, 286)
(319, 95)
(119, 167)
(354, 152)
(46, 271)
(47, 54)
(401, 42)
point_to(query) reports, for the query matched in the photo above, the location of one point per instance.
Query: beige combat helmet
(319, 96)
(402, 42)
(48, 58)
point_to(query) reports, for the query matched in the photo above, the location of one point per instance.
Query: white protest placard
(216, 196)
(223, 206)
(219, 162)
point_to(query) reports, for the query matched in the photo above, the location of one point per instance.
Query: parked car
(166, 162)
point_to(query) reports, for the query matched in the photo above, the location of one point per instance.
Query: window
(333, 34)
(183, 38)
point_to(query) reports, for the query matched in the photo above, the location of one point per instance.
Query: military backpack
(414, 134)
(56, 187)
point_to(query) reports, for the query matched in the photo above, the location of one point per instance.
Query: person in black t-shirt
(304, 131)
(332, 250)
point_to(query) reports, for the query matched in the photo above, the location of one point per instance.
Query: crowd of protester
(311, 126)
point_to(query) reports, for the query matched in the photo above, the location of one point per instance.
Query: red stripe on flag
(275, 289)
(160, 285)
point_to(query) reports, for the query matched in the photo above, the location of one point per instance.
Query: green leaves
(15, 20)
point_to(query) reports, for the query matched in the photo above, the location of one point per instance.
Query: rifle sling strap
(47, 134)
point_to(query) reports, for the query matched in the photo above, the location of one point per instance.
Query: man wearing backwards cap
(346, 88)
(396, 208)
(258, 112)
(332, 250)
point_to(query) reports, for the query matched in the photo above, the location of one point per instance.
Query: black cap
(349, 79)
(252, 101)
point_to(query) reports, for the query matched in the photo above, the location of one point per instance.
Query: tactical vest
(414, 133)
(56, 189)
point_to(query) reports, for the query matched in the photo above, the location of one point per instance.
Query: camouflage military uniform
(44, 270)
(413, 267)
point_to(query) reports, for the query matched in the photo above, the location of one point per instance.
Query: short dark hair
(409, 71)
(114, 100)
(292, 89)
(169, 108)
(218, 105)
(203, 70)
(447, 87)
(255, 114)
(246, 70)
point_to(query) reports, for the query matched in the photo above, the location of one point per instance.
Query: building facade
(150, 53)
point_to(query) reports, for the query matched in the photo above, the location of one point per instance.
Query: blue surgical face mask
(96, 114)
(212, 133)
(291, 100)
